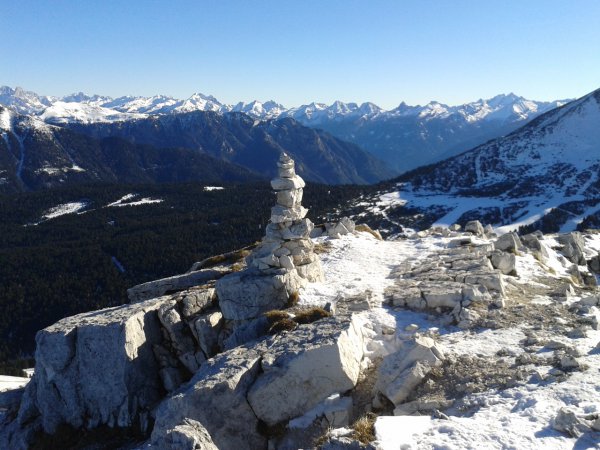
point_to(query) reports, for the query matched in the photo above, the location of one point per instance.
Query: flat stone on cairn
(284, 256)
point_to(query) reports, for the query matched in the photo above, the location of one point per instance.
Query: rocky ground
(441, 339)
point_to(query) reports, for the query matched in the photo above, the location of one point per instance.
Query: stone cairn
(282, 263)
(287, 242)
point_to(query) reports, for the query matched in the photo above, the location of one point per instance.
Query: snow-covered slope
(547, 168)
(68, 112)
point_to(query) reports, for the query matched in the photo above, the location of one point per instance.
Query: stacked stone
(287, 242)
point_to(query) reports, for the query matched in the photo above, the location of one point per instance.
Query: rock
(206, 329)
(411, 328)
(532, 242)
(190, 435)
(355, 303)
(594, 264)
(475, 227)
(284, 184)
(567, 422)
(489, 231)
(171, 378)
(573, 247)
(454, 227)
(508, 242)
(197, 300)
(569, 362)
(418, 406)
(247, 331)
(442, 295)
(216, 398)
(403, 370)
(344, 226)
(313, 362)
(505, 262)
(177, 329)
(157, 288)
(491, 281)
(336, 410)
(111, 350)
(248, 294)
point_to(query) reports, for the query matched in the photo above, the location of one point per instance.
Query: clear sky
(296, 52)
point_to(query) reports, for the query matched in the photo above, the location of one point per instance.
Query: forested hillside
(86, 260)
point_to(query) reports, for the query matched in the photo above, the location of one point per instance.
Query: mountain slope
(254, 144)
(545, 174)
(411, 136)
(35, 155)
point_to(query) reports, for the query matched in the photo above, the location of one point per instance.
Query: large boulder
(312, 363)
(573, 247)
(475, 227)
(216, 398)
(249, 293)
(504, 262)
(111, 350)
(508, 242)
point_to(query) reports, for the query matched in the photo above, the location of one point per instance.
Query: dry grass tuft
(310, 315)
(286, 324)
(276, 314)
(364, 428)
(293, 299)
(367, 229)
(322, 247)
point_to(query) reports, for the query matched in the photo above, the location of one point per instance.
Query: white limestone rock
(313, 362)
(403, 370)
(442, 294)
(111, 350)
(289, 198)
(285, 184)
(197, 300)
(573, 247)
(206, 329)
(190, 435)
(475, 227)
(248, 294)
(508, 242)
(281, 214)
(157, 288)
(216, 398)
(312, 272)
(505, 262)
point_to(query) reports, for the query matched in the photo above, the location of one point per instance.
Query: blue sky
(301, 51)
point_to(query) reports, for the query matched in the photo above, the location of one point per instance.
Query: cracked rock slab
(111, 350)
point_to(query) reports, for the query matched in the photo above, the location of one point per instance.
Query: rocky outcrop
(157, 288)
(111, 350)
(272, 381)
(450, 283)
(313, 363)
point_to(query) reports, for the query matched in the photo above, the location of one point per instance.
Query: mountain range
(195, 146)
(404, 137)
(544, 175)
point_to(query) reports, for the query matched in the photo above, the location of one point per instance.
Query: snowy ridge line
(88, 109)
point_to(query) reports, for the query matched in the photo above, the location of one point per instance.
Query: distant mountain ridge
(544, 175)
(405, 137)
(195, 146)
